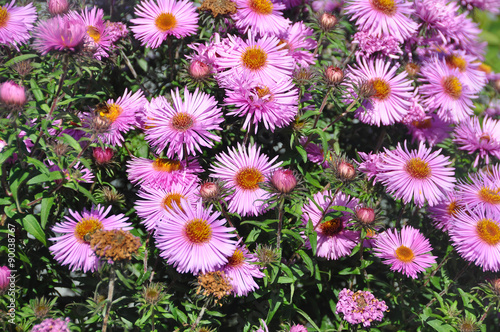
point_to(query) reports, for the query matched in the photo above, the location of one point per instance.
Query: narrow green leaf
(32, 226)
(37, 92)
(56, 175)
(72, 142)
(306, 316)
(307, 260)
(19, 59)
(47, 203)
(302, 152)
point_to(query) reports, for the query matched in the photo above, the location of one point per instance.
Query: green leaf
(72, 142)
(123, 279)
(439, 326)
(32, 226)
(19, 59)
(302, 152)
(307, 260)
(37, 92)
(56, 175)
(47, 203)
(306, 316)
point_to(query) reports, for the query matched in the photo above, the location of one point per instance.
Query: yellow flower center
(285, 43)
(488, 231)
(166, 165)
(331, 227)
(94, 33)
(484, 138)
(424, 124)
(388, 7)
(236, 259)
(4, 17)
(489, 195)
(452, 87)
(86, 227)
(254, 58)
(263, 92)
(111, 111)
(263, 7)
(182, 121)
(454, 61)
(418, 169)
(198, 231)
(172, 198)
(484, 67)
(453, 208)
(248, 178)
(405, 254)
(381, 88)
(165, 22)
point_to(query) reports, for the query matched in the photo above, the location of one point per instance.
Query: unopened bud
(327, 21)
(198, 69)
(346, 171)
(12, 94)
(412, 69)
(284, 180)
(365, 215)
(334, 75)
(4, 278)
(58, 7)
(209, 190)
(103, 156)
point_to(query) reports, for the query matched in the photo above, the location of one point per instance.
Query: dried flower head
(60, 148)
(467, 324)
(97, 124)
(219, 7)
(215, 286)
(366, 90)
(41, 307)
(115, 245)
(304, 76)
(109, 195)
(412, 69)
(153, 293)
(23, 68)
(267, 254)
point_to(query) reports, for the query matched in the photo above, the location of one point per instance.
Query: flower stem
(320, 40)
(111, 288)
(280, 221)
(200, 315)
(228, 218)
(338, 118)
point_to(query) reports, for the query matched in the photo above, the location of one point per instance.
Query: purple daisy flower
(61, 33)
(315, 152)
(261, 16)
(16, 23)
(406, 251)
(97, 38)
(369, 43)
(443, 213)
(241, 268)
(445, 90)
(52, 325)
(476, 236)
(72, 247)
(156, 202)
(193, 239)
(122, 115)
(421, 175)
(389, 17)
(243, 169)
(483, 190)
(264, 58)
(360, 307)
(370, 164)
(484, 139)
(162, 172)
(431, 130)
(334, 240)
(162, 18)
(273, 104)
(298, 42)
(298, 328)
(184, 128)
(468, 67)
(392, 93)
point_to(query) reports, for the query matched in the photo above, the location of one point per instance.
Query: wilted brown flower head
(218, 7)
(41, 307)
(115, 245)
(214, 285)
(153, 293)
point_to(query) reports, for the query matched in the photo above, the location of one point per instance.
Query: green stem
(280, 221)
(200, 315)
(338, 118)
(111, 288)
(320, 40)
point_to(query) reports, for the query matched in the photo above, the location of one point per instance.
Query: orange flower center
(452, 87)
(485, 68)
(165, 22)
(388, 7)
(198, 231)
(263, 7)
(424, 124)
(236, 259)
(87, 227)
(263, 92)
(485, 138)
(248, 178)
(93, 33)
(172, 198)
(332, 227)
(111, 111)
(381, 88)
(489, 195)
(166, 165)
(488, 231)
(254, 58)
(453, 208)
(182, 121)
(4, 17)
(418, 169)
(405, 254)
(454, 61)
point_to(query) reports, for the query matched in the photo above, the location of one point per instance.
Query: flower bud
(198, 69)
(4, 278)
(209, 190)
(412, 69)
(12, 94)
(334, 75)
(346, 171)
(284, 180)
(103, 156)
(58, 7)
(327, 21)
(365, 215)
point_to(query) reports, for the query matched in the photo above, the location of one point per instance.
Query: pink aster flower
(72, 246)
(314, 152)
(298, 328)
(431, 130)
(483, 190)
(379, 17)
(4, 278)
(370, 43)
(80, 173)
(162, 18)
(116, 30)
(468, 68)
(298, 42)
(360, 307)
(264, 58)
(193, 239)
(443, 213)
(445, 90)
(12, 93)
(418, 175)
(243, 169)
(122, 115)
(185, 126)
(406, 251)
(370, 164)
(16, 23)
(156, 202)
(492, 6)
(261, 16)
(391, 99)
(61, 33)
(97, 39)
(52, 325)
(483, 139)
(476, 236)
(241, 269)
(334, 240)
(273, 104)
(162, 172)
